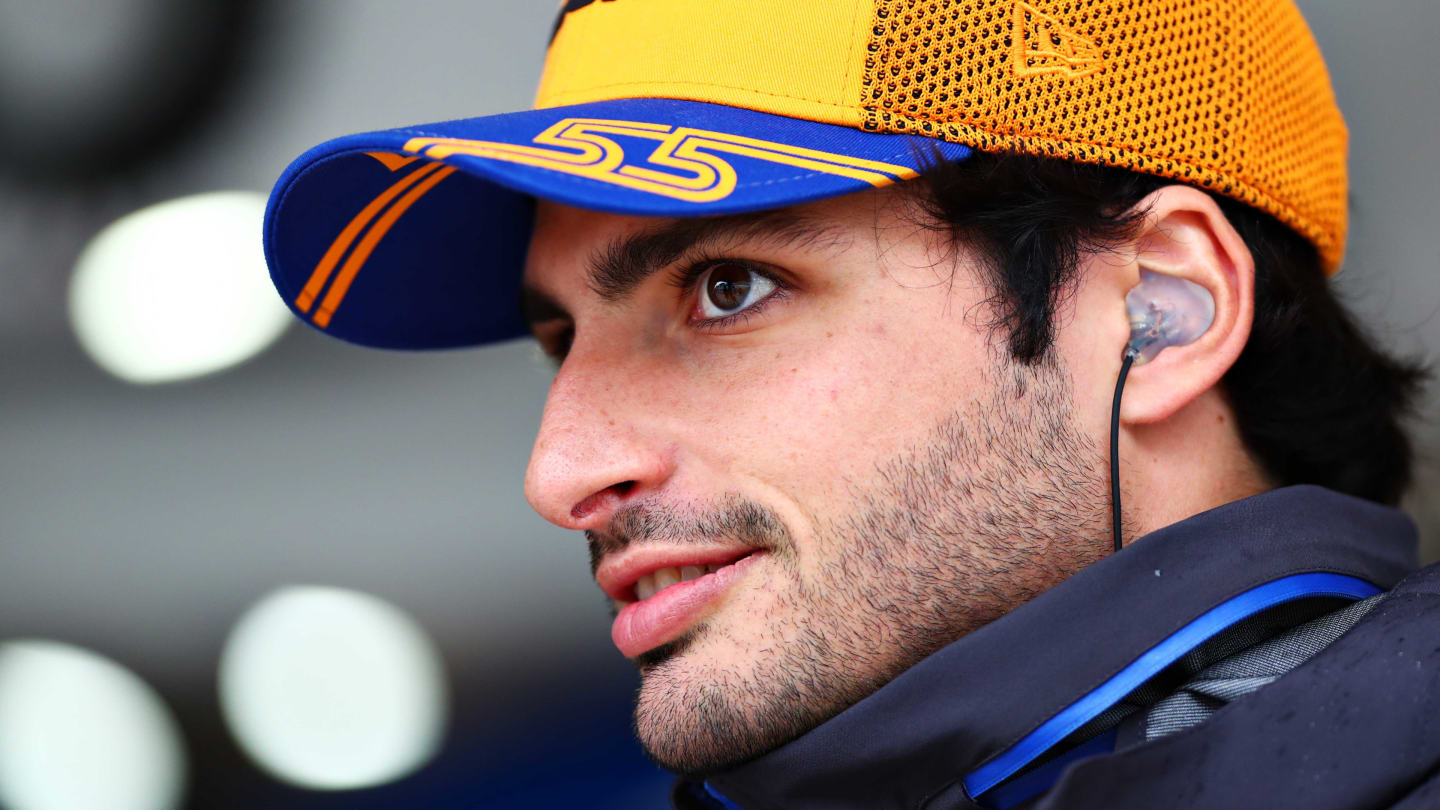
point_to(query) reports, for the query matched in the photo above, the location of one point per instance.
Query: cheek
(811, 414)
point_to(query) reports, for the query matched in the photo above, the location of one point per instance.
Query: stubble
(1001, 500)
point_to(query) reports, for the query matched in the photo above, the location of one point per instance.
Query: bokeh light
(177, 290)
(78, 732)
(333, 689)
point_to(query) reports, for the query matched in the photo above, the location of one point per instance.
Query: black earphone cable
(1115, 445)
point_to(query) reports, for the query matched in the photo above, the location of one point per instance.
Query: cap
(416, 237)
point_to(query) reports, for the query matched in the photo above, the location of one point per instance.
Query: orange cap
(680, 108)
(1228, 95)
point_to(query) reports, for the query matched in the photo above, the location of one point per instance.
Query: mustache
(734, 519)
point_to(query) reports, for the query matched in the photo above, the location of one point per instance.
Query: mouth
(658, 599)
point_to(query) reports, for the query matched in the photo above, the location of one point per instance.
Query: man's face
(804, 416)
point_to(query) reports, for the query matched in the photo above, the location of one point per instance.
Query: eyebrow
(619, 268)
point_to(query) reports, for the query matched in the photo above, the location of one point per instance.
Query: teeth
(645, 587)
(666, 577)
(658, 580)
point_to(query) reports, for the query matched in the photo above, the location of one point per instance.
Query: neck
(1190, 463)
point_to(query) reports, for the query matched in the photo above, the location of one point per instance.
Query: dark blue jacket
(1028, 710)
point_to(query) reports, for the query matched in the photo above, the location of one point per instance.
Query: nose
(593, 454)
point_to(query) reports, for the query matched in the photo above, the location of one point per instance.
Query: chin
(693, 728)
(695, 716)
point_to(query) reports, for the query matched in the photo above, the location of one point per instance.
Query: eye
(554, 338)
(727, 288)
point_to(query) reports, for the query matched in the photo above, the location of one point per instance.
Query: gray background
(141, 521)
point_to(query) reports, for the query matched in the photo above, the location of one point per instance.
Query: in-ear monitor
(1166, 311)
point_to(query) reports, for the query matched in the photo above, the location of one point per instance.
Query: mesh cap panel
(1231, 96)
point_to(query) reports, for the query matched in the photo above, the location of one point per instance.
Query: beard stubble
(1001, 500)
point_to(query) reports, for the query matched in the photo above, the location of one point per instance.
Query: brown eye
(727, 288)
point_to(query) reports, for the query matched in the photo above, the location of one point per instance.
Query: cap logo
(1041, 45)
(686, 164)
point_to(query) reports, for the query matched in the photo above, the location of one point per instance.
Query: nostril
(599, 500)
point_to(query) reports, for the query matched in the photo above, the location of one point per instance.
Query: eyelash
(687, 278)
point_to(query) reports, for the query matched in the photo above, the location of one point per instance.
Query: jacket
(1279, 651)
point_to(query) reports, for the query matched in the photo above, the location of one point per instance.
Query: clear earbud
(1166, 311)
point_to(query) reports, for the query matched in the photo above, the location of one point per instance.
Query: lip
(645, 625)
(617, 576)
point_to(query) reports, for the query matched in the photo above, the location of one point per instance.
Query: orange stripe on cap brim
(362, 252)
(321, 273)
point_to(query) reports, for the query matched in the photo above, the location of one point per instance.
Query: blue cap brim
(415, 238)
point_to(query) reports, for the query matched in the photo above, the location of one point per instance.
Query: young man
(853, 306)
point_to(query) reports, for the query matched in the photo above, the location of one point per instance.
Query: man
(860, 310)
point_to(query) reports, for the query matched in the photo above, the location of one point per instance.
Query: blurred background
(205, 517)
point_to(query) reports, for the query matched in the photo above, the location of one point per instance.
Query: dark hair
(1316, 399)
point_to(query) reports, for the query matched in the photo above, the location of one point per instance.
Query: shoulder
(1424, 581)
(1354, 726)
(1403, 625)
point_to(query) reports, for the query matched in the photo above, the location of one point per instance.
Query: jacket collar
(924, 731)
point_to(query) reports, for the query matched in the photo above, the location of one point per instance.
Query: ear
(1186, 235)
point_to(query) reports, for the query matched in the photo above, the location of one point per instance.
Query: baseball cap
(415, 237)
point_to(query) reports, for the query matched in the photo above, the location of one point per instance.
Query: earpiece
(1166, 311)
